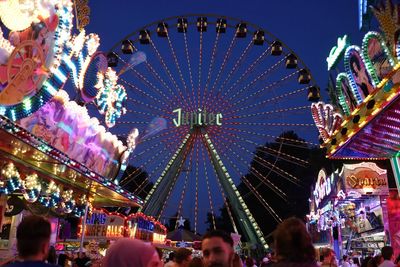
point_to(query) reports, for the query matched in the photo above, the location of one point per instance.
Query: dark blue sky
(309, 27)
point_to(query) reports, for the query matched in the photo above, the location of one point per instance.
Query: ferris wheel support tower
(159, 194)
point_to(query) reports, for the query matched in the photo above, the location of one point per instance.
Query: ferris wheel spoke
(177, 65)
(259, 93)
(237, 64)
(153, 157)
(263, 75)
(284, 156)
(251, 68)
(289, 177)
(199, 103)
(168, 72)
(188, 149)
(255, 192)
(189, 67)
(145, 81)
(219, 186)
(213, 54)
(148, 106)
(208, 188)
(272, 124)
(225, 60)
(263, 179)
(135, 89)
(196, 199)
(275, 99)
(159, 135)
(274, 137)
(184, 188)
(273, 152)
(270, 112)
(271, 211)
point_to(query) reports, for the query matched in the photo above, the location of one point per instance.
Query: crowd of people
(292, 248)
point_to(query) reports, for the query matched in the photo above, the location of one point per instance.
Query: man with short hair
(217, 248)
(183, 256)
(33, 239)
(387, 255)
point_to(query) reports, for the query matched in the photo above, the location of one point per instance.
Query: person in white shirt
(387, 255)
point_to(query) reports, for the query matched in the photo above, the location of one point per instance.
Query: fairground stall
(349, 209)
(56, 159)
(362, 122)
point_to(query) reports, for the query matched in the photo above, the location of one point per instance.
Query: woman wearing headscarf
(131, 253)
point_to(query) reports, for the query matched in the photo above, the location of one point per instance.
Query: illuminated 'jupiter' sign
(197, 118)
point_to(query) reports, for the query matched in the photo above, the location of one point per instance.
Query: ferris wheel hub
(198, 118)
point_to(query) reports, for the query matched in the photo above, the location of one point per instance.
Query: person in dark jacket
(33, 238)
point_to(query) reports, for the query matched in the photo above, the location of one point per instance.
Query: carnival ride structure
(205, 92)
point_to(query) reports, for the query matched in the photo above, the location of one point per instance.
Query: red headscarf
(128, 253)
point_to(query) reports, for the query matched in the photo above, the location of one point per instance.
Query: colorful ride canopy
(38, 55)
(366, 95)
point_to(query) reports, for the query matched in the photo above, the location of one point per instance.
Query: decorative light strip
(241, 201)
(42, 146)
(368, 61)
(353, 84)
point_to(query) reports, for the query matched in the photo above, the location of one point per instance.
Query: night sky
(310, 28)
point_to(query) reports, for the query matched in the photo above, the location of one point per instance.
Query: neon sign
(323, 187)
(361, 182)
(197, 118)
(337, 51)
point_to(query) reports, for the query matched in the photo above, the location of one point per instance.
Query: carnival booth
(362, 122)
(349, 209)
(55, 159)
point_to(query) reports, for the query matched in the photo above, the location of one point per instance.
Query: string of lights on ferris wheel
(180, 205)
(247, 92)
(250, 186)
(221, 191)
(208, 188)
(154, 157)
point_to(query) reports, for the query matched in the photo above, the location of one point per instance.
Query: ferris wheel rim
(217, 16)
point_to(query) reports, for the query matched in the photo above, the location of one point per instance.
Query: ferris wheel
(206, 92)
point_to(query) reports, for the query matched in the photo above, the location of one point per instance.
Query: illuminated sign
(361, 182)
(337, 51)
(197, 118)
(323, 187)
(365, 178)
(102, 225)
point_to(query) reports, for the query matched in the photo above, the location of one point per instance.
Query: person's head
(183, 256)
(292, 242)
(387, 253)
(33, 238)
(249, 262)
(127, 252)
(345, 258)
(217, 247)
(329, 255)
(196, 262)
(171, 256)
(52, 256)
(236, 261)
